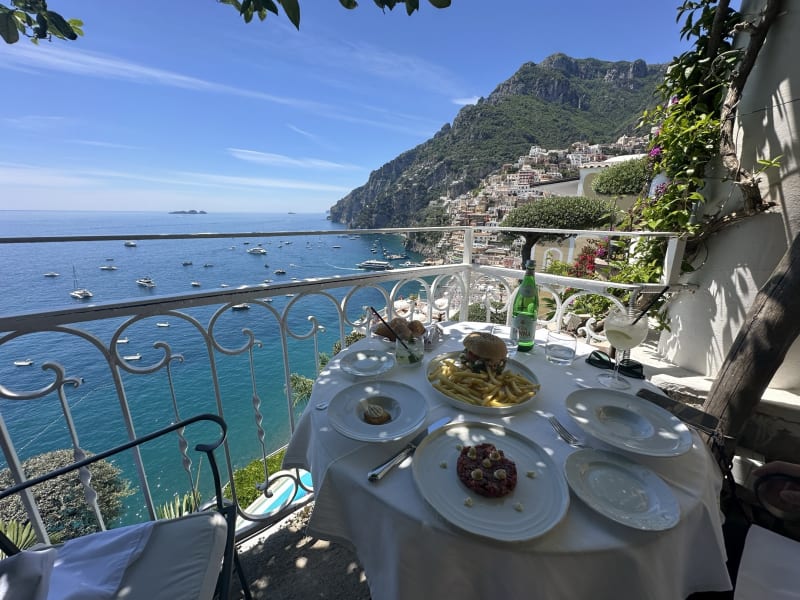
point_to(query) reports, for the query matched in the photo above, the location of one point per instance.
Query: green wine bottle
(526, 308)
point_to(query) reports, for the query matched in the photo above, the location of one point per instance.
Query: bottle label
(526, 326)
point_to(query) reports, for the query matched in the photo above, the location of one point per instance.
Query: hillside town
(539, 174)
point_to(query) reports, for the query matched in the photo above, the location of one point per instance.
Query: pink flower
(655, 152)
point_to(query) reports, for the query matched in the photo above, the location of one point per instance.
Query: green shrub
(626, 178)
(21, 536)
(248, 478)
(61, 500)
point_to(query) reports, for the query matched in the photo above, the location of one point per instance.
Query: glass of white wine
(624, 330)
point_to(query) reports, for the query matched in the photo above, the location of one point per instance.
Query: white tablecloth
(410, 552)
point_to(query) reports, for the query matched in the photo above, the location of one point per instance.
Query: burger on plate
(484, 352)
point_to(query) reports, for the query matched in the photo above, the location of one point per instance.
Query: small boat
(130, 244)
(208, 265)
(256, 250)
(195, 284)
(51, 274)
(375, 265)
(242, 306)
(110, 259)
(335, 246)
(23, 363)
(78, 292)
(136, 356)
(223, 285)
(409, 263)
(146, 282)
(186, 263)
(279, 272)
(162, 324)
(122, 340)
(108, 268)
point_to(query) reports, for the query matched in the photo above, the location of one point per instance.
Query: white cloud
(34, 122)
(98, 65)
(100, 144)
(44, 177)
(466, 101)
(279, 160)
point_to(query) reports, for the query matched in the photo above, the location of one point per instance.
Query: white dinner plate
(406, 406)
(366, 362)
(629, 422)
(511, 365)
(538, 502)
(622, 490)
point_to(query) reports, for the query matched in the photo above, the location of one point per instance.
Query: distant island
(188, 212)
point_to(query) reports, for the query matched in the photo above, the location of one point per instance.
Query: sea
(38, 426)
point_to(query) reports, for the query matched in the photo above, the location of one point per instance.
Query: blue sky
(179, 105)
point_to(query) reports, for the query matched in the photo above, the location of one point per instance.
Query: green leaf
(440, 3)
(8, 27)
(348, 4)
(292, 9)
(411, 6)
(62, 28)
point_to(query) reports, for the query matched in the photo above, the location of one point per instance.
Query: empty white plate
(366, 363)
(622, 490)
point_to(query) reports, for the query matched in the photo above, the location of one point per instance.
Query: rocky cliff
(551, 104)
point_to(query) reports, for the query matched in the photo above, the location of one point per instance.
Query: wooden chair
(190, 557)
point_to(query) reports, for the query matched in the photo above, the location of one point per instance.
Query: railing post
(469, 240)
(26, 495)
(673, 259)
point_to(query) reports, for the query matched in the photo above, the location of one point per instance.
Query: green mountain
(551, 104)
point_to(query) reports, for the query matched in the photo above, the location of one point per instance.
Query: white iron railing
(79, 346)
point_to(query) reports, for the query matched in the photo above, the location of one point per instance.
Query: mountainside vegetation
(552, 104)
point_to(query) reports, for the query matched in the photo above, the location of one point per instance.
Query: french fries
(480, 389)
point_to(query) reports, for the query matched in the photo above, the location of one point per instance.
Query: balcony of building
(127, 367)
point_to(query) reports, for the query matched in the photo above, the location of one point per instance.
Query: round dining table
(560, 543)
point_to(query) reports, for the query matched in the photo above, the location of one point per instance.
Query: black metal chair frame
(227, 509)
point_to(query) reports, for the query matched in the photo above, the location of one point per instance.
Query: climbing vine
(691, 127)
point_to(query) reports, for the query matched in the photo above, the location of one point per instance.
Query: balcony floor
(285, 563)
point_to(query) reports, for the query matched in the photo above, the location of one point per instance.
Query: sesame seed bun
(487, 346)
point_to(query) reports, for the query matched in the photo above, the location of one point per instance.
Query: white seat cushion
(769, 567)
(178, 559)
(181, 560)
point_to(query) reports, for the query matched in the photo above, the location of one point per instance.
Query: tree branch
(747, 181)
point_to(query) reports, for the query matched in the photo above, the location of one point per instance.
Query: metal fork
(564, 434)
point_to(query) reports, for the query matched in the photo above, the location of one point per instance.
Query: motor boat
(23, 363)
(242, 306)
(136, 356)
(130, 244)
(51, 274)
(146, 282)
(375, 265)
(108, 268)
(256, 250)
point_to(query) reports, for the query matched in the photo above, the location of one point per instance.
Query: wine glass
(624, 329)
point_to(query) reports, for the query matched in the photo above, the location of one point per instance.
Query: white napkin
(26, 575)
(91, 567)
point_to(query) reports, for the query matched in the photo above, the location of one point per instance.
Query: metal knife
(378, 472)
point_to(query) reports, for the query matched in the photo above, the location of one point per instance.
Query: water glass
(509, 335)
(409, 353)
(560, 348)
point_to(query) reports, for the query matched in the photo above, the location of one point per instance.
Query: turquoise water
(38, 426)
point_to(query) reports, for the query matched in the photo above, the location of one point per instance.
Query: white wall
(737, 262)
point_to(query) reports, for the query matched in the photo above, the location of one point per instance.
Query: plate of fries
(485, 393)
